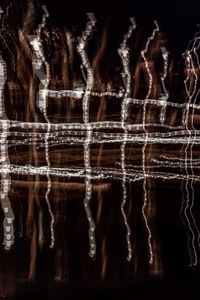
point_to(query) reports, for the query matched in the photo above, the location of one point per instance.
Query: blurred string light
(122, 132)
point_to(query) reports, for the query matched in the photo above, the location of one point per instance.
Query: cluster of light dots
(86, 134)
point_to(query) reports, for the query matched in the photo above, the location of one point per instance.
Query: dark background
(179, 20)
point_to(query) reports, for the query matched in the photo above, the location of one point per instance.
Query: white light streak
(44, 77)
(143, 53)
(126, 75)
(85, 104)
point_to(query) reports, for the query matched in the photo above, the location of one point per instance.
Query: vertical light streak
(5, 165)
(185, 120)
(143, 53)
(188, 226)
(86, 106)
(44, 77)
(163, 77)
(126, 75)
(195, 48)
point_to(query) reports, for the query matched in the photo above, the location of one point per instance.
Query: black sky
(177, 18)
